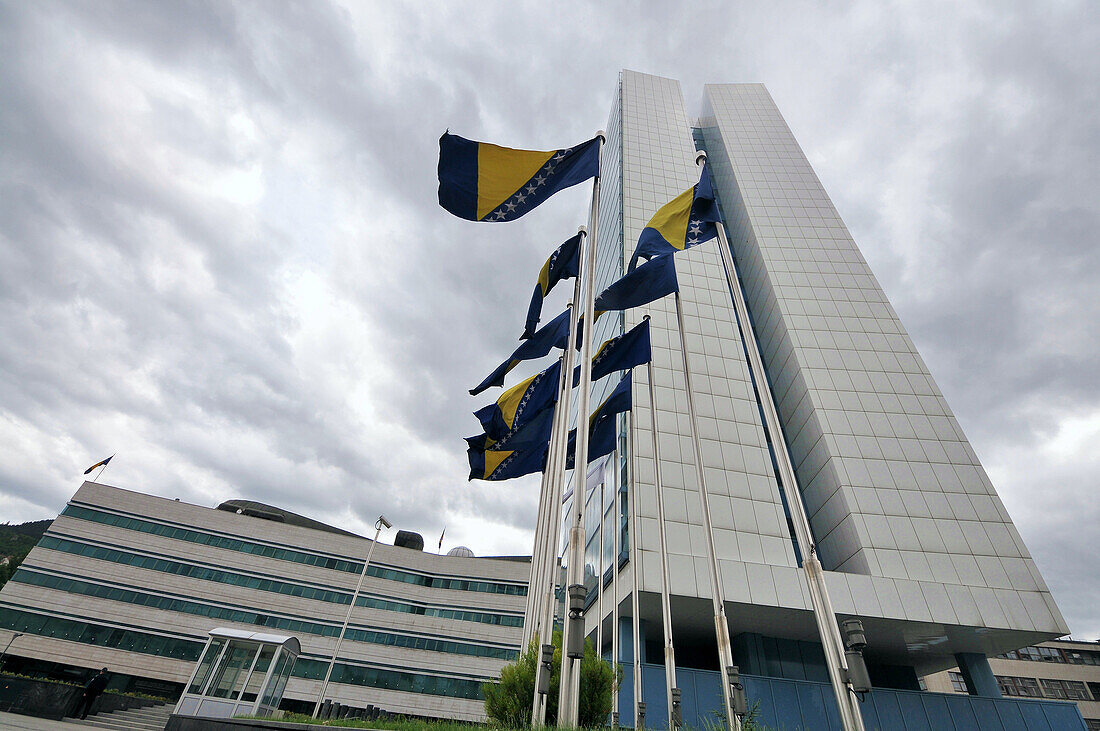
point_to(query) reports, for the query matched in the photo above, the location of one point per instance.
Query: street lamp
(354, 598)
(5, 652)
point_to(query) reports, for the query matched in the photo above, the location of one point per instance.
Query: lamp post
(5, 652)
(354, 598)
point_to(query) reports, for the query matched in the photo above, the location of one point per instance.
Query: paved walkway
(16, 722)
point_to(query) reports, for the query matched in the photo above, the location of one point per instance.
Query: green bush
(508, 702)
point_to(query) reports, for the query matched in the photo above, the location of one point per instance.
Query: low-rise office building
(135, 582)
(1059, 670)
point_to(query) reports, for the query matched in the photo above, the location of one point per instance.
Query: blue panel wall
(800, 705)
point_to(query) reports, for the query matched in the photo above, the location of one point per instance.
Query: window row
(1054, 654)
(288, 554)
(95, 634)
(408, 682)
(1073, 690)
(245, 616)
(205, 573)
(189, 651)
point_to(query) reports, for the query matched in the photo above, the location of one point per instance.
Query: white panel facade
(658, 163)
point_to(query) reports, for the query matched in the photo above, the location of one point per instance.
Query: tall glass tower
(912, 535)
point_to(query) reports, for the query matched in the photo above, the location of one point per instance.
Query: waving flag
(564, 263)
(496, 465)
(555, 334)
(520, 403)
(648, 282)
(483, 182)
(601, 424)
(535, 430)
(685, 221)
(101, 463)
(620, 353)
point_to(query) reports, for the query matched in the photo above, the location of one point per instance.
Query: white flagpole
(666, 604)
(543, 587)
(829, 631)
(721, 626)
(351, 607)
(599, 579)
(615, 659)
(530, 615)
(570, 682)
(635, 571)
(544, 552)
(556, 469)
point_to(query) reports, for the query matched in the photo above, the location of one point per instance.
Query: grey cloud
(313, 348)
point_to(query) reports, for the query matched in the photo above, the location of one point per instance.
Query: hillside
(16, 541)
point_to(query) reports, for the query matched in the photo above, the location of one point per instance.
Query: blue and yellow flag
(495, 465)
(483, 182)
(601, 424)
(520, 403)
(620, 353)
(554, 334)
(564, 263)
(685, 221)
(650, 281)
(532, 431)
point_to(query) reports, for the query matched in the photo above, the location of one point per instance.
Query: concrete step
(148, 712)
(150, 718)
(120, 724)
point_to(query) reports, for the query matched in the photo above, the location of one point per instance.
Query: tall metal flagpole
(573, 636)
(599, 579)
(555, 466)
(552, 566)
(530, 614)
(546, 552)
(851, 717)
(617, 531)
(635, 571)
(721, 626)
(666, 604)
(351, 607)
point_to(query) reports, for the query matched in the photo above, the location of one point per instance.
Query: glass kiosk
(239, 673)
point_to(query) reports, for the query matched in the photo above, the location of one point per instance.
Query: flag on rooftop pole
(553, 334)
(479, 181)
(620, 353)
(685, 221)
(101, 463)
(564, 263)
(650, 281)
(520, 403)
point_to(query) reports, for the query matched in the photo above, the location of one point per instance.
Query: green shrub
(508, 702)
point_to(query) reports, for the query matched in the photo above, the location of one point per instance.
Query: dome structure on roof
(461, 551)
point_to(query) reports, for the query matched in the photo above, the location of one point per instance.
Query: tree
(509, 701)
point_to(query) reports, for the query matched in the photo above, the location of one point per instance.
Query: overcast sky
(221, 254)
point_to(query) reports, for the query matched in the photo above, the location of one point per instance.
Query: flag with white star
(521, 403)
(685, 221)
(483, 182)
(532, 432)
(620, 353)
(506, 464)
(564, 263)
